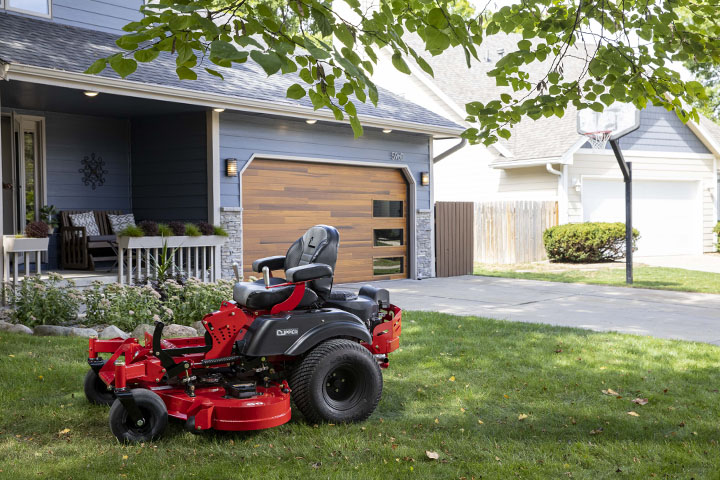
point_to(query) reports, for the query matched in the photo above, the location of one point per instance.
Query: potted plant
(35, 239)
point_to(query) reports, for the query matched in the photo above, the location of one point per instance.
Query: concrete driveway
(660, 313)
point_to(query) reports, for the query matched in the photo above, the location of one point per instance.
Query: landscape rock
(199, 327)
(14, 328)
(112, 331)
(56, 330)
(18, 328)
(140, 330)
(174, 330)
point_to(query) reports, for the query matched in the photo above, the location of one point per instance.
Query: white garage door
(668, 214)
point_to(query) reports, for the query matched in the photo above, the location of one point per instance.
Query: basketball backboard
(616, 121)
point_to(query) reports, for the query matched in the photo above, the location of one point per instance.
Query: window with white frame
(42, 8)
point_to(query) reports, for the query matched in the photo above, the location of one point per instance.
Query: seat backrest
(318, 245)
(101, 218)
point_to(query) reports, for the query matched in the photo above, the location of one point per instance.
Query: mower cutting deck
(256, 351)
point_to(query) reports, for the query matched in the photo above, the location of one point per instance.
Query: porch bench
(77, 247)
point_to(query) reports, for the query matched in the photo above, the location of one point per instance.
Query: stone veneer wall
(424, 231)
(231, 252)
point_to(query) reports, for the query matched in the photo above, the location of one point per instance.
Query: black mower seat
(256, 297)
(315, 253)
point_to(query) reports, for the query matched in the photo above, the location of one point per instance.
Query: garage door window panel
(389, 237)
(388, 266)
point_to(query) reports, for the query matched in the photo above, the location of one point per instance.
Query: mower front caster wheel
(96, 391)
(339, 381)
(155, 418)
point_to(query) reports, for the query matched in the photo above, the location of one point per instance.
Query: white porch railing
(197, 257)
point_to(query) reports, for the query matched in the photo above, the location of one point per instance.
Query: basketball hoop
(598, 139)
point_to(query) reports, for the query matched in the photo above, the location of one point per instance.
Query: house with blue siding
(235, 153)
(675, 164)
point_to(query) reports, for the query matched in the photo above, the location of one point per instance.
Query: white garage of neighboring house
(674, 181)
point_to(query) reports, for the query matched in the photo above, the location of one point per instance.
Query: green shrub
(149, 228)
(44, 302)
(717, 230)
(131, 231)
(191, 230)
(125, 306)
(205, 228)
(164, 230)
(178, 228)
(587, 242)
(220, 231)
(190, 302)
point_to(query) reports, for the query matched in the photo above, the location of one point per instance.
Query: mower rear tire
(153, 410)
(339, 381)
(96, 391)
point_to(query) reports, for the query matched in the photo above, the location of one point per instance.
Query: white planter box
(12, 244)
(172, 242)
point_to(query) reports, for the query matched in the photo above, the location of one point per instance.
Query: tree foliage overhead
(333, 48)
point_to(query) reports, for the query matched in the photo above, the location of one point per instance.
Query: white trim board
(648, 154)
(412, 193)
(81, 81)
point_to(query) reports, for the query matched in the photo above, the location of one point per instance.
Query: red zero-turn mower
(278, 337)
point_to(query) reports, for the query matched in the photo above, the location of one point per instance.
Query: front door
(22, 171)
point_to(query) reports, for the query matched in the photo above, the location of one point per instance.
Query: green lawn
(459, 387)
(659, 278)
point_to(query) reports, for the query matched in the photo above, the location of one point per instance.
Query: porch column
(213, 179)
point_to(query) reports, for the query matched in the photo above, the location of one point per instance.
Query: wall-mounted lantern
(424, 179)
(231, 169)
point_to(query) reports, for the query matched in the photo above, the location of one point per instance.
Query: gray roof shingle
(43, 43)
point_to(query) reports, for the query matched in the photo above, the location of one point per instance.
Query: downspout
(562, 191)
(450, 151)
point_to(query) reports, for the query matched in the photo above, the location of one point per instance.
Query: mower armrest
(273, 263)
(305, 273)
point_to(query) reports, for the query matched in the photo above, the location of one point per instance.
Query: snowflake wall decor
(93, 171)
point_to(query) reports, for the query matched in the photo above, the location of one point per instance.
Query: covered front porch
(74, 150)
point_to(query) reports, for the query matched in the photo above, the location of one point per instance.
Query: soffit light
(90, 93)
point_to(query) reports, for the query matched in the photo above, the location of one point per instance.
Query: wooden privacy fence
(453, 238)
(511, 231)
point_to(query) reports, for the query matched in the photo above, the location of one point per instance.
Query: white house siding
(648, 166)
(531, 183)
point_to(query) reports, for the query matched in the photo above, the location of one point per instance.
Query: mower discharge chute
(279, 336)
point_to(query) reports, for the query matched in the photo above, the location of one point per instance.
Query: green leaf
(425, 66)
(504, 133)
(226, 50)
(270, 62)
(184, 73)
(356, 126)
(506, 98)
(214, 72)
(97, 66)
(146, 55)
(343, 33)
(399, 63)
(123, 66)
(296, 92)
(350, 109)
(180, 22)
(436, 18)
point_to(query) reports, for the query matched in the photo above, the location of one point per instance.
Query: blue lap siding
(242, 136)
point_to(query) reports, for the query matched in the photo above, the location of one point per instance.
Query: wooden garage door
(368, 206)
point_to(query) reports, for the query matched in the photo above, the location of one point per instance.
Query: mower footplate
(212, 408)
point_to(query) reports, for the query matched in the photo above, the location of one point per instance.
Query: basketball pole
(626, 169)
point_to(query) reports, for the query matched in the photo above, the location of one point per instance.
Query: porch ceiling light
(231, 167)
(90, 93)
(424, 179)
(387, 130)
(218, 110)
(311, 121)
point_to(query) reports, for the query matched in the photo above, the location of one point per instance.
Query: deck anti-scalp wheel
(96, 391)
(153, 411)
(339, 381)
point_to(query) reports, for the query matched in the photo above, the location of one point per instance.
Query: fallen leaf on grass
(64, 431)
(522, 417)
(480, 422)
(612, 392)
(432, 455)
(597, 431)
(641, 401)
(452, 379)
(125, 457)
(506, 396)
(633, 414)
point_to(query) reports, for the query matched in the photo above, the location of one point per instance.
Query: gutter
(450, 150)
(4, 67)
(550, 169)
(81, 81)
